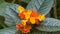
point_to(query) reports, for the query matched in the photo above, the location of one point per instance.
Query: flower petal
(32, 20)
(24, 22)
(27, 14)
(41, 17)
(21, 9)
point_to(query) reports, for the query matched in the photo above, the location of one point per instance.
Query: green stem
(55, 10)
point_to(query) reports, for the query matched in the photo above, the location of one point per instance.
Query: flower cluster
(28, 18)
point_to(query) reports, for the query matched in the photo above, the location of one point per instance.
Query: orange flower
(19, 26)
(22, 28)
(28, 17)
(34, 14)
(27, 14)
(26, 29)
(37, 22)
(34, 17)
(32, 20)
(28, 21)
(21, 15)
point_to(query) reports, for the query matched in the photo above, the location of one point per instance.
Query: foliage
(10, 13)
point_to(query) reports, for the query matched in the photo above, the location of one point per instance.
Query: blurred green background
(58, 9)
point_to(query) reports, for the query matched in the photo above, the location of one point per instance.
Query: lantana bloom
(28, 17)
(22, 28)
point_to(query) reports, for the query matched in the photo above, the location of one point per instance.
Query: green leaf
(46, 6)
(3, 7)
(10, 13)
(11, 16)
(34, 4)
(42, 6)
(50, 24)
(43, 32)
(10, 30)
(35, 31)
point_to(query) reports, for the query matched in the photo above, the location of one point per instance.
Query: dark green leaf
(50, 24)
(35, 31)
(42, 6)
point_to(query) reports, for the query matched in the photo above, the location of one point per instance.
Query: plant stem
(55, 9)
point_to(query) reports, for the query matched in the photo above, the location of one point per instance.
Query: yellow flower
(24, 22)
(32, 20)
(27, 14)
(41, 17)
(20, 8)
